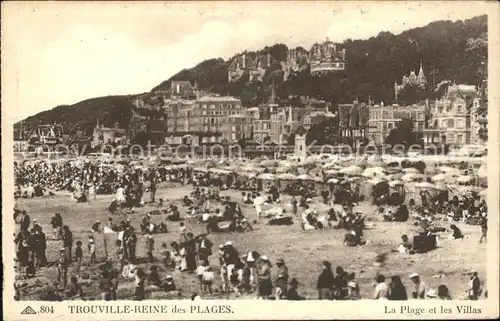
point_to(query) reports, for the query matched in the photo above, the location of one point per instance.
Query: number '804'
(46, 309)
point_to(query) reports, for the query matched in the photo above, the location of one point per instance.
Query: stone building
(450, 121)
(412, 79)
(383, 119)
(324, 58)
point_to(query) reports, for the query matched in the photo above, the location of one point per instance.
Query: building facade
(236, 127)
(261, 129)
(206, 117)
(353, 121)
(479, 117)
(451, 122)
(383, 119)
(297, 61)
(255, 68)
(104, 135)
(316, 117)
(325, 58)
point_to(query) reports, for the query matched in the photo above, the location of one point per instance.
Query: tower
(272, 98)
(422, 80)
(300, 148)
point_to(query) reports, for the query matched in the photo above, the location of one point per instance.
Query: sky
(63, 53)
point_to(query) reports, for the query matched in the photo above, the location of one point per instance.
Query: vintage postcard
(219, 160)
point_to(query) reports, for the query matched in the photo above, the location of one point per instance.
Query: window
(384, 126)
(459, 138)
(390, 126)
(420, 127)
(460, 123)
(204, 106)
(212, 106)
(233, 128)
(443, 123)
(385, 114)
(460, 108)
(212, 121)
(450, 123)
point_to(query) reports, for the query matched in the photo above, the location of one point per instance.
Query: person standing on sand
(474, 286)
(68, 242)
(265, 284)
(484, 228)
(150, 246)
(294, 206)
(325, 282)
(62, 267)
(281, 278)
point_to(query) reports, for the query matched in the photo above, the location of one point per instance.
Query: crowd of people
(240, 272)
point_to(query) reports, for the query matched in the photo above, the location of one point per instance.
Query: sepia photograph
(218, 151)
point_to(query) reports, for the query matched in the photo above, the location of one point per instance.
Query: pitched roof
(219, 99)
(300, 131)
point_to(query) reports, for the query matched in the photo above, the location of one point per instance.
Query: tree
(324, 133)
(403, 134)
(411, 94)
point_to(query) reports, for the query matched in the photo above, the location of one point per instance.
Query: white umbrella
(412, 176)
(371, 170)
(425, 185)
(376, 181)
(396, 183)
(331, 166)
(287, 176)
(447, 169)
(438, 177)
(266, 176)
(482, 171)
(305, 177)
(331, 172)
(464, 179)
(352, 170)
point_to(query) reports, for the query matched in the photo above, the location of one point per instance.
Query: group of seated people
(401, 214)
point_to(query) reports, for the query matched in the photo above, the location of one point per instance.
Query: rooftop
(218, 98)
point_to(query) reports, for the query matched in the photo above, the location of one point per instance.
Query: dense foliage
(403, 134)
(454, 50)
(82, 116)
